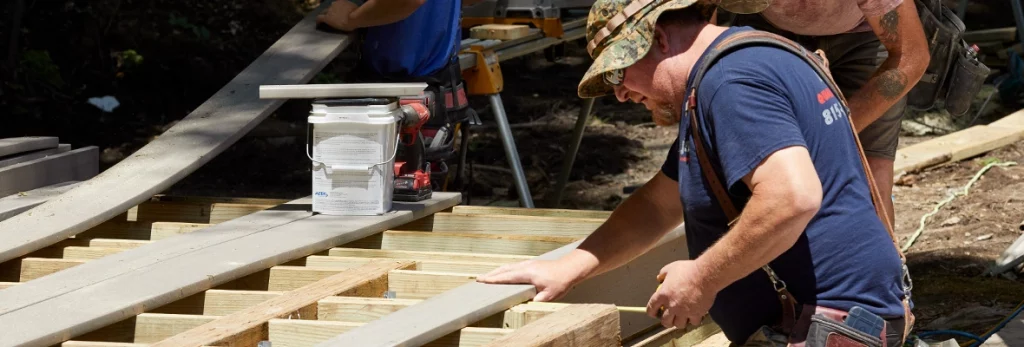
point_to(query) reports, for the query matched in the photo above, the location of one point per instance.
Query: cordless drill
(412, 172)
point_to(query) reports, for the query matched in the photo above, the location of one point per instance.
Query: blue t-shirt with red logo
(418, 45)
(755, 101)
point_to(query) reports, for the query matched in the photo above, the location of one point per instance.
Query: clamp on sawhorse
(485, 79)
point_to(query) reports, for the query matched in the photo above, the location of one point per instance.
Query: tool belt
(954, 72)
(822, 328)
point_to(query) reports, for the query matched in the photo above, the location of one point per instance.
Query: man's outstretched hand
(337, 15)
(551, 278)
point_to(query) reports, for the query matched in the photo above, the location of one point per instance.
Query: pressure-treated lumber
(77, 165)
(192, 142)
(453, 242)
(15, 145)
(33, 268)
(359, 310)
(961, 145)
(284, 278)
(148, 328)
(216, 302)
(660, 336)
(452, 310)
(225, 330)
(163, 230)
(536, 212)
(496, 224)
(303, 333)
(408, 284)
(89, 253)
(424, 265)
(30, 156)
(499, 31)
(424, 255)
(520, 315)
(581, 325)
(116, 287)
(18, 203)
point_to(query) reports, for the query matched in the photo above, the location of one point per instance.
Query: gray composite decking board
(159, 283)
(15, 145)
(77, 165)
(21, 158)
(15, 204)
(96, 271)
(630, 285)
(195, 140)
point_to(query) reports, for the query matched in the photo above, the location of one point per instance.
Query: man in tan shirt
(877, 52)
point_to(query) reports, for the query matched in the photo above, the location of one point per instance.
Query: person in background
(877, 52)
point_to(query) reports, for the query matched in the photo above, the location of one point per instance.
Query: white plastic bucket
(353, 158)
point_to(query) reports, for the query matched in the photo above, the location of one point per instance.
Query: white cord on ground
(920, 228)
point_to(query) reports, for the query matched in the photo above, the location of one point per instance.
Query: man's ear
(660, 40)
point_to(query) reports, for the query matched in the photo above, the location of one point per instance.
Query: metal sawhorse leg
(485, 79)
(570, 156)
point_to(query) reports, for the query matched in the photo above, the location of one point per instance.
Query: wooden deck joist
(283, 291)
(116, 287)
(455, 309)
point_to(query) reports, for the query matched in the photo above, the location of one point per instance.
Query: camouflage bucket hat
(619, 32)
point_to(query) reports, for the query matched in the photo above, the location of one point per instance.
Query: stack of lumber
(188, 271)
(33, 169)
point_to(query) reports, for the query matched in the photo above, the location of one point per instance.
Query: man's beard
(665, 115)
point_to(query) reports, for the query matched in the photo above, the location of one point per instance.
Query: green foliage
(181, 22)
(37, 66)
(127, 59)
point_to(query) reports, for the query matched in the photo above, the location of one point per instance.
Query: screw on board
(389, 294)
(263, 344)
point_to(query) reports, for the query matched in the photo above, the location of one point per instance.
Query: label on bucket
(359, 193)
(347, 147)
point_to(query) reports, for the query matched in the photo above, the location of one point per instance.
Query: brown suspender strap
(817, 61)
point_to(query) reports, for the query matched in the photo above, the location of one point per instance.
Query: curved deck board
(195, 140)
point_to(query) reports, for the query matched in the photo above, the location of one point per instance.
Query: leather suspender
(819, 63)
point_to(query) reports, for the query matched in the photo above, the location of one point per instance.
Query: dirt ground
(191, 48)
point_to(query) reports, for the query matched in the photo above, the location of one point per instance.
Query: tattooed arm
(900, 32)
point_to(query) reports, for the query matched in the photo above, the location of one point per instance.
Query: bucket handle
(351, 168)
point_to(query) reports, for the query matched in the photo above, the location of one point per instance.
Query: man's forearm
(899, 30)
(770, 225)
(880, 93)
(635, 226)
(381, 12)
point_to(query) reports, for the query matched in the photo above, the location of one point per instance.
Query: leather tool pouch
(825, 332)
(954, 72)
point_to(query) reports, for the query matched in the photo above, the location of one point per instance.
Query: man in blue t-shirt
(784, 149)
(414, 41)
(401, 38)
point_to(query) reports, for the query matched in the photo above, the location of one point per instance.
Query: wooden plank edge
(577, 325)
(474, 301)
(228, 328)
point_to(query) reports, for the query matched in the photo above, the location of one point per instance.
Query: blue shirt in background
(418, 45)
(751, 103)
